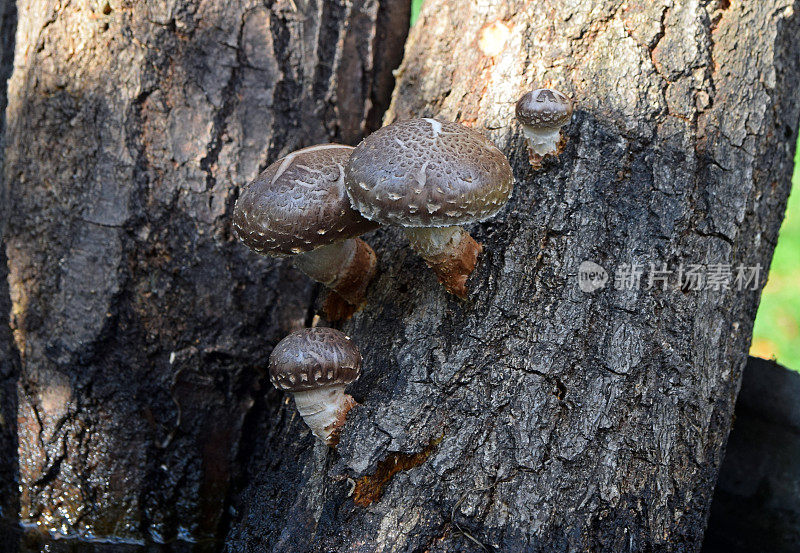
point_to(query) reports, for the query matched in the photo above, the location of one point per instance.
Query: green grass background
(777, 328)
(415, 5)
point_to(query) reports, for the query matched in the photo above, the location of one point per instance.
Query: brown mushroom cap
(314, 358)
(428, 173)
(298, 204)
(544, 108)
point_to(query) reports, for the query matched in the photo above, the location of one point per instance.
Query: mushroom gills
(450, 251)
(324, 410)
(542, 141)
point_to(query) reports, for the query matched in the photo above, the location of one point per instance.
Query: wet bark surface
(142, 326)
(756, 507)
(534, 416)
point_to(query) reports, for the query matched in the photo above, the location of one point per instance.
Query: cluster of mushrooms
(425, 175)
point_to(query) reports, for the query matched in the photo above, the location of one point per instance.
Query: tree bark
(142, 325)
(537, 417)
(9, 361)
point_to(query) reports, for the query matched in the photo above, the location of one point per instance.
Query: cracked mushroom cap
(544, 108)
(428, 173)
(298, 204)
(314, 358)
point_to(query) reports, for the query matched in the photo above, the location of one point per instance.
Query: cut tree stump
(142, 325)
(535, 417)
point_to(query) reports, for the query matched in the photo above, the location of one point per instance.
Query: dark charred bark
(756, 507)
(9, 372)
(143, 327)
(534, 416)
(9, 361)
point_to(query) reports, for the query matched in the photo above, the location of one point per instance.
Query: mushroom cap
(298, 204)
(544, 108)
(314, 358)
(428, 173)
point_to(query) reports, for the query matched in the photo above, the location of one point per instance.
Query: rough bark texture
(756, 506)
(141, 325)
(536, 417)
(9, 361)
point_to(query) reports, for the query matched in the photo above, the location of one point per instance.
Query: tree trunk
(537, 417)
(9, 362)
(142, 325)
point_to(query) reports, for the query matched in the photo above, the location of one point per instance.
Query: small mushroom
(298, 207)
(315, 364)
(429, 177)
(542, 113)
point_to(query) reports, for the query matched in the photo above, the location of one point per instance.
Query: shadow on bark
(130, 419)
(9, 462)
(143, 339)
(9, 359)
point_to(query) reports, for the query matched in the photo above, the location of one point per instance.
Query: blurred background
(777, 328)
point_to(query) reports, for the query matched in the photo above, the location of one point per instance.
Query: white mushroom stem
(432, 242)
(326, 263)
(346, 267)
(542, 141)
(324, 411)
(450, 251)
